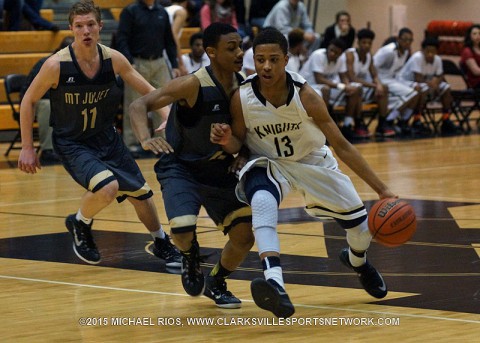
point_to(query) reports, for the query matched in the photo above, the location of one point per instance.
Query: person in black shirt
(341, 29)
(144, 33)
(84, 96)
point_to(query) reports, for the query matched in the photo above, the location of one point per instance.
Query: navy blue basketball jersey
(188, 129)
(83, 106)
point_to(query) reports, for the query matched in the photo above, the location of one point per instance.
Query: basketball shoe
(164, 249)
(193, 280)
(370, 278)
(83, 244)
(270, 296)
(216, 289)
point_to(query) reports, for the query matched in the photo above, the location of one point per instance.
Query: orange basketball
(392, 222)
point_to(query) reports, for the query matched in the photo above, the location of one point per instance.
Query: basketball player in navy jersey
(285, 124)
(199, 173)
(84, 100)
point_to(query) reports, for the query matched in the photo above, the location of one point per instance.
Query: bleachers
(31, 41)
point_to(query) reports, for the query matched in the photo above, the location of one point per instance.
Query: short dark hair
(271, 35)
(338, 43)
(339, 14)
(404, 30)
(430, 41)
(194, 37)
(212, 34)
(365, 33)
(295, 37)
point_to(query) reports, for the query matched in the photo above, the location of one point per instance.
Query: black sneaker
(420, 129)
(449, 128)
(164, 249)
(370, 278)
(216, 289)
(83, 243)
(270, 296)
(348, 132)
(193, 280)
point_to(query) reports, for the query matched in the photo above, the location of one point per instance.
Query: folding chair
(465, 99)
(13, 86)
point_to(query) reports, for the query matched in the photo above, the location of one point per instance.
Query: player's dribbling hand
(28, 161)
(157, 145)
(220, 133)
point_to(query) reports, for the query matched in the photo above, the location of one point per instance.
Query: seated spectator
(178, 14)
(197, 58)
(221, 11)
(342, 29)
(259, 10)
(287, 15)
(360, 69)
(13, 10)
(31, 12)
(403, 100)
(42, 111)
(424, 70)
(296, 50)
(326, 72)
(470, 57)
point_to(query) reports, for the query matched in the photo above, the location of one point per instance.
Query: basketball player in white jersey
(285, 124)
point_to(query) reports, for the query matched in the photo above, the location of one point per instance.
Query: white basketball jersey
(360, 69)
(286, 132)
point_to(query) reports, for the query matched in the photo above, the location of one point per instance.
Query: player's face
(228, 54)
(86, 29)
(429, 52)
(270, 63)
(365, 45)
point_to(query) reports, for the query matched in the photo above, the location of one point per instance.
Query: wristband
(341, 86)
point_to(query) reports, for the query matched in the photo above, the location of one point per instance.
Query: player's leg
(264, 198)
(235, 218)
(162, 247)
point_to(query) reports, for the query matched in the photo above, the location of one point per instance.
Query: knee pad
(359, 237)
(267, 239)
(264, 221)
(257, 179)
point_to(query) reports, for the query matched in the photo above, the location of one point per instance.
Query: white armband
(341, 86)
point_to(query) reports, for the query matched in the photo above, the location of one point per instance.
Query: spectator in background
(42, 110)
(470, 57)
(341, 29)
(296, 50)
(144, 33)
(326, 73)
(178, 14)
(259, 11)
(197, 58)
(218, 11)
(287, 15)
(360, 69)
(424, 70)
(402, 99)
(13, 11)
(31, 11)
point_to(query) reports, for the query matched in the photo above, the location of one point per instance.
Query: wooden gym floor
(48, 295)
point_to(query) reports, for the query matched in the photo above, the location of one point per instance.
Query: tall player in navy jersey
(198, 173)
(84, 100)
(285, 124)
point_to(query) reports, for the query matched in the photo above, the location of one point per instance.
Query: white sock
(80, 217)
(158, 234)
(355, 260)
(275, 273)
